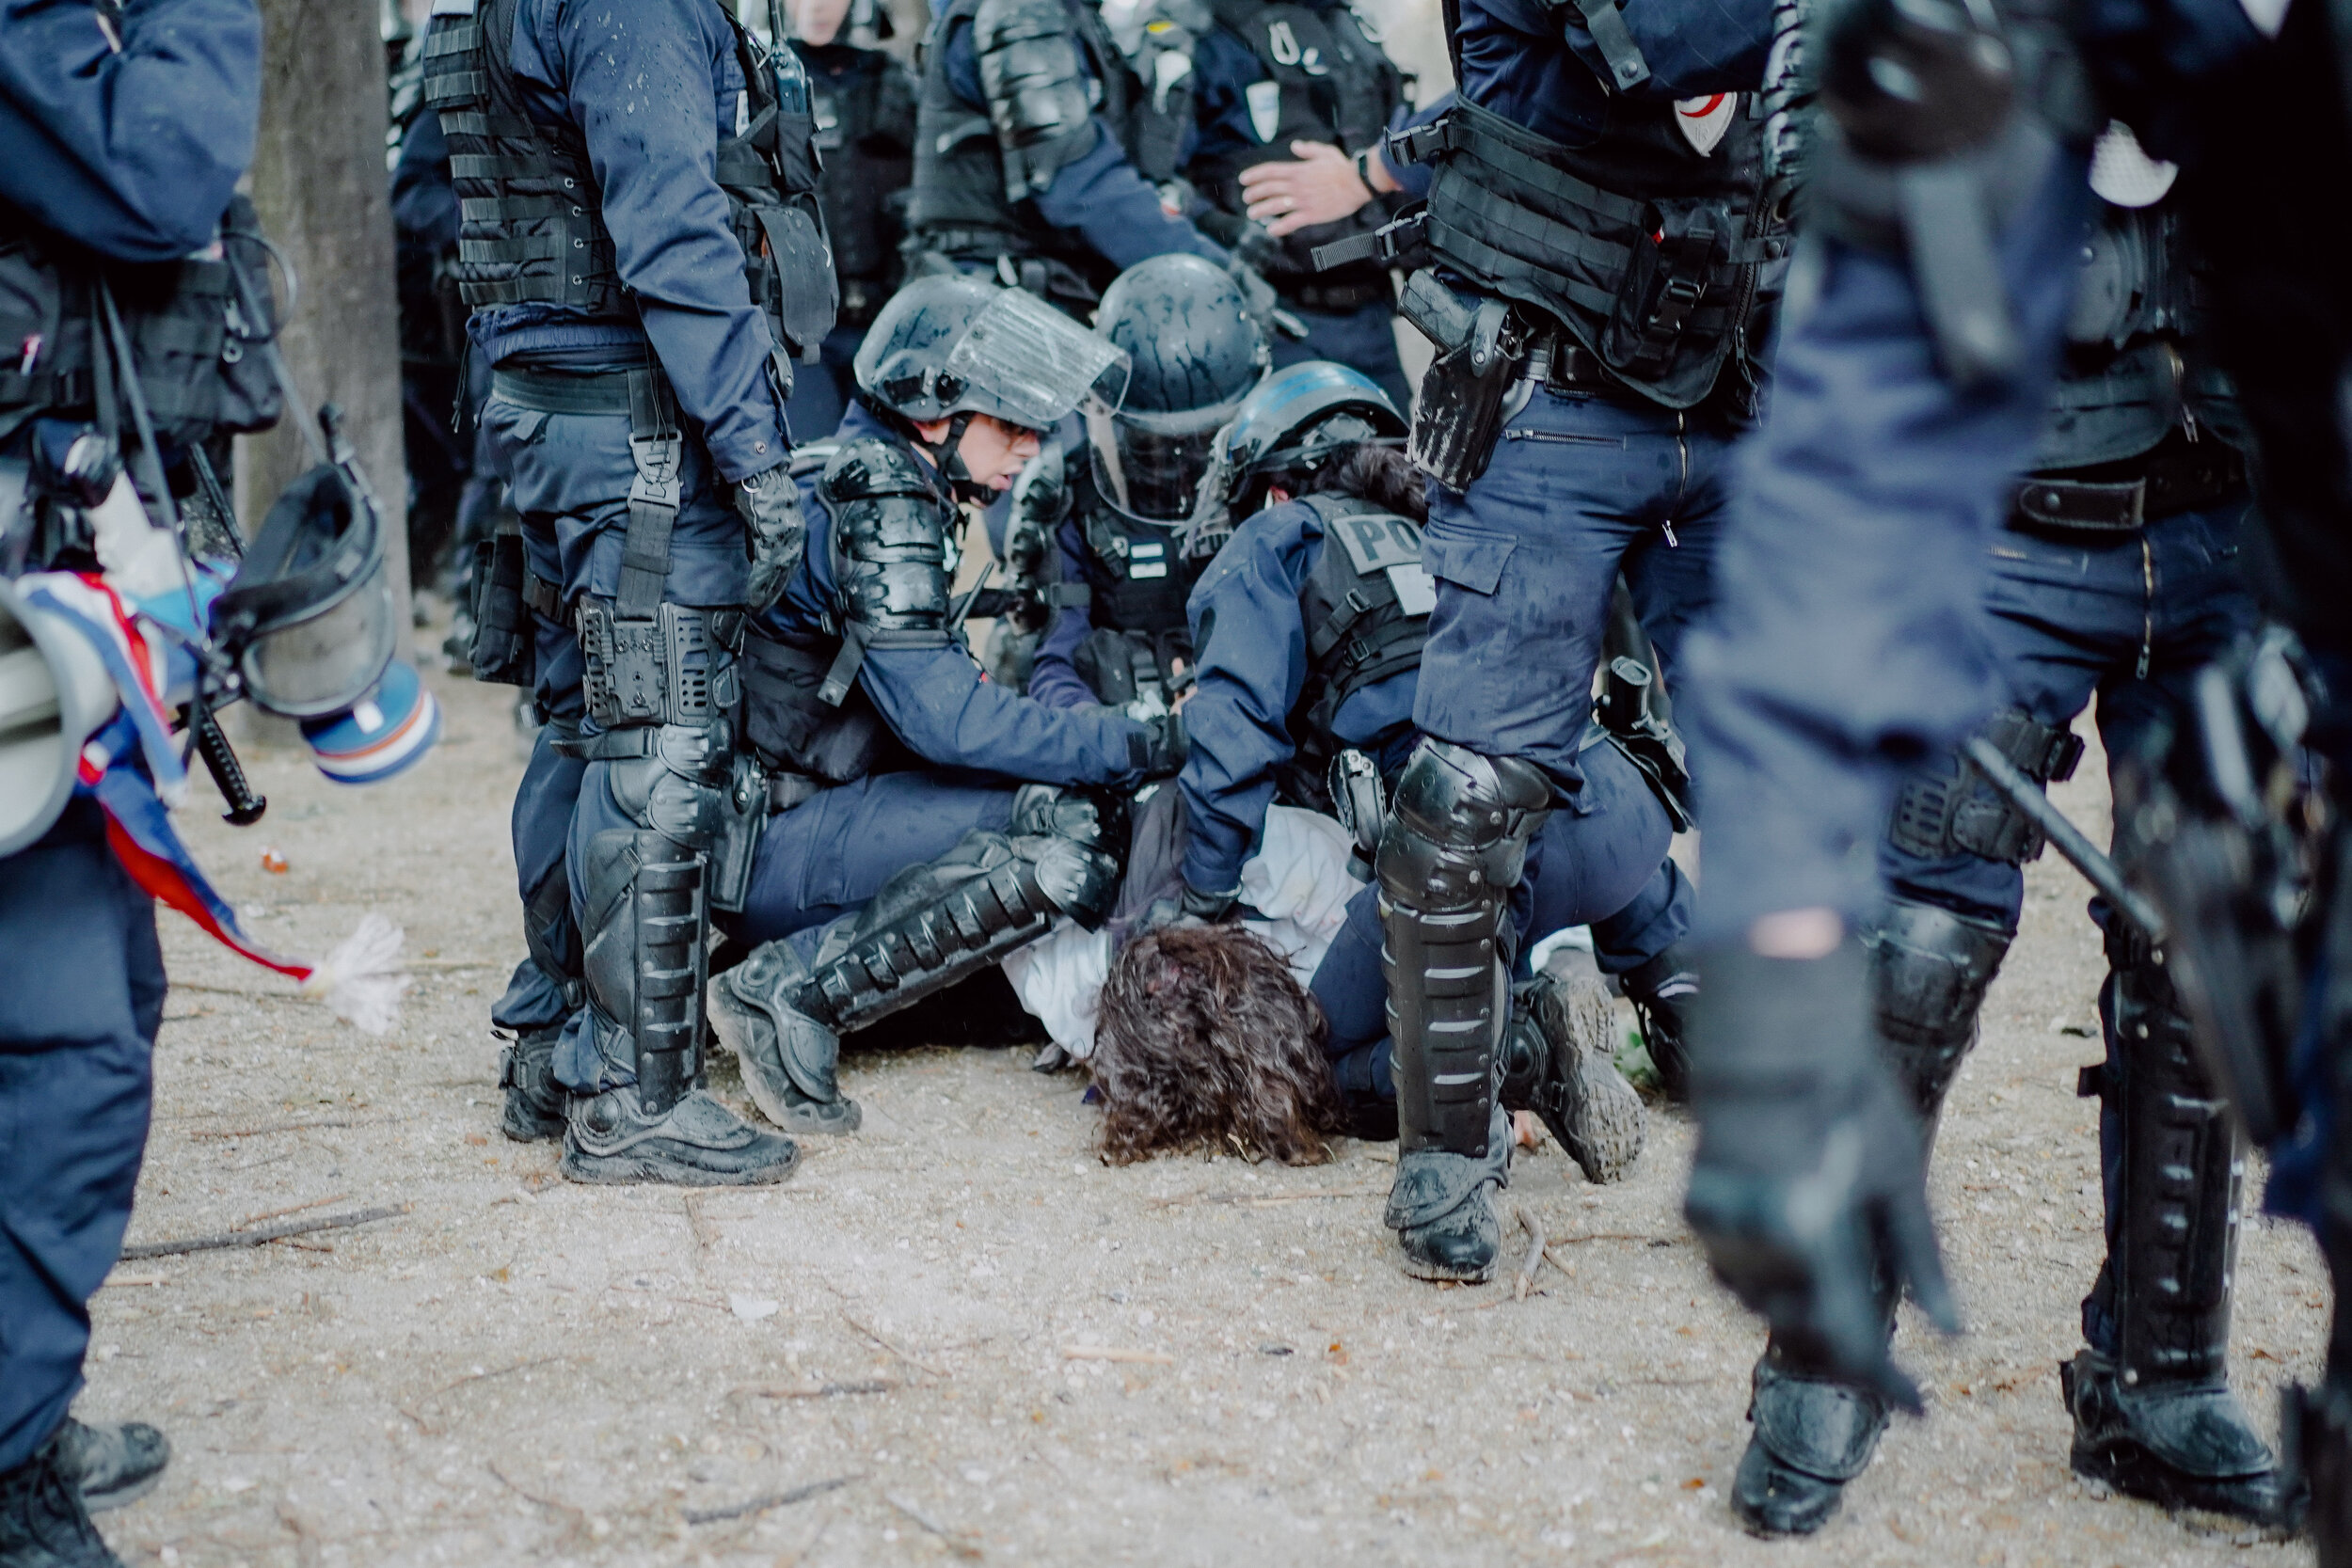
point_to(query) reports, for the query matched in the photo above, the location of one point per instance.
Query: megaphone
(54, 693)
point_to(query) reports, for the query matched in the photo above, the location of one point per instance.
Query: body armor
(891, 560)
(198, 329)
(1137, 579)
(1048, 67)
(1327, 80)
(1655, 258)
(863, 103)
(1360, 629)
(531, 228)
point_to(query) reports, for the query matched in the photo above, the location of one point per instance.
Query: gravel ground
(958, 1336)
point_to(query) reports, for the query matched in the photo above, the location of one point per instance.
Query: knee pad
(1929, 969)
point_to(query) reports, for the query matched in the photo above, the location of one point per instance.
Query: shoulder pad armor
(856, 469)
(1039, 98)
(890, 551)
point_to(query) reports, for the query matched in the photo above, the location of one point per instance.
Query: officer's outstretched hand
(1798, 1191)
(770, 505)
(1323, 186)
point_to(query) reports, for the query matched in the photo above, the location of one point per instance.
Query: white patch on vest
(2268, 16)
(1147, 561)
(1704, 120)
(2123, 174)
(452, 8)
(1282, 43)
(1416, 590)
(1265, 106)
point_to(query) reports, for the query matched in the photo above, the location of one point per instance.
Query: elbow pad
(890, 552)
(1041, 100)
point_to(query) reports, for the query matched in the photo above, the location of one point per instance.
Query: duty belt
(2173, 482)
(1337, 298)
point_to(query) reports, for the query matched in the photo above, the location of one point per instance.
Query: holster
(1465, 389)
(746, 820)
(504, 650)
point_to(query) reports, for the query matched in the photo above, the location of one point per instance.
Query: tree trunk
(321, 188)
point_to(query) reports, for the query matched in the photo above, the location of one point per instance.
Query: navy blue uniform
(965, 742)
(134, 155)
(570, 472)
(1604, 868)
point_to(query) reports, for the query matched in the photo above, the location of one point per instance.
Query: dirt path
(958, 1336)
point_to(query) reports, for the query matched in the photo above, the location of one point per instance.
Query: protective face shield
(54, 693)
(951, 345)
(309, 619)
(1197, 354)
(1299, 419)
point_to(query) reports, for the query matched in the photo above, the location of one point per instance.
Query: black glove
(770, 505)
(1160, 746)
(1811, 1174)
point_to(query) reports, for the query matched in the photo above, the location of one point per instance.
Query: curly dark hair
(1206, 1041)
(1381, 475)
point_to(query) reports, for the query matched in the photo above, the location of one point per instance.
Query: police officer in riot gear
(1310, 625)
(2118, 573)
(863, 104)
(928, 821)
(1130, 548)
(1605, 260)
(1039, 157)
(641, 272)
(1268, 79)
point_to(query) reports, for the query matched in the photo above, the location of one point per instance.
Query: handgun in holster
(1633, 708)
(1465, 393)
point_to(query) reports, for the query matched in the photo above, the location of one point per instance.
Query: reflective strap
(1614, 43)
(660, 453)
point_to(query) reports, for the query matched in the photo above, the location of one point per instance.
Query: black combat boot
(1662, 992)
(1929, 973)
(112, 1464)
(2154, 1416)
(534, 1111)
(43, 1521)
(1557, 1062)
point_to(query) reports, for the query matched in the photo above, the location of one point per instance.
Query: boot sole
(100, 1502)
(2135, 1473)
(730, 1030)
(1608, 1137)
(633, 1170)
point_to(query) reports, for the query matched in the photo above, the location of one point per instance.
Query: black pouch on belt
(505, 649)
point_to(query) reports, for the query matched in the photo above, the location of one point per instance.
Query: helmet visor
(1025, 362)
(325, 663)
(310, 616)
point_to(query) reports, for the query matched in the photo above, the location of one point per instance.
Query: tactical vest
(1327, 80)
(2126, 383)
(531, 220)
(1655, 258)
(958, 208)
(1137, 576)
(865, 116)
(1365, 607)
(197, 328)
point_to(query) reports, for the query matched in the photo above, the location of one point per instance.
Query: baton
(2085, 856)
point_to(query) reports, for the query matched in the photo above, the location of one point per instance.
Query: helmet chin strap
(947, 456)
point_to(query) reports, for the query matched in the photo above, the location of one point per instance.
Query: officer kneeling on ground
(883, 878)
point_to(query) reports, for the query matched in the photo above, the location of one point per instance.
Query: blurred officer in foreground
(863, 104)
(640, 269)
(136, 297)
(1129, 552)
(122, 137)
(1037, 156)
(1606, 263)
(928, 820)
(1913, 388)
(2117, 572)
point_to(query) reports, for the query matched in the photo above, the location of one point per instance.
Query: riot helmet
(309, 619)
(1198, 353)
(950, 346)
(1301, 418)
